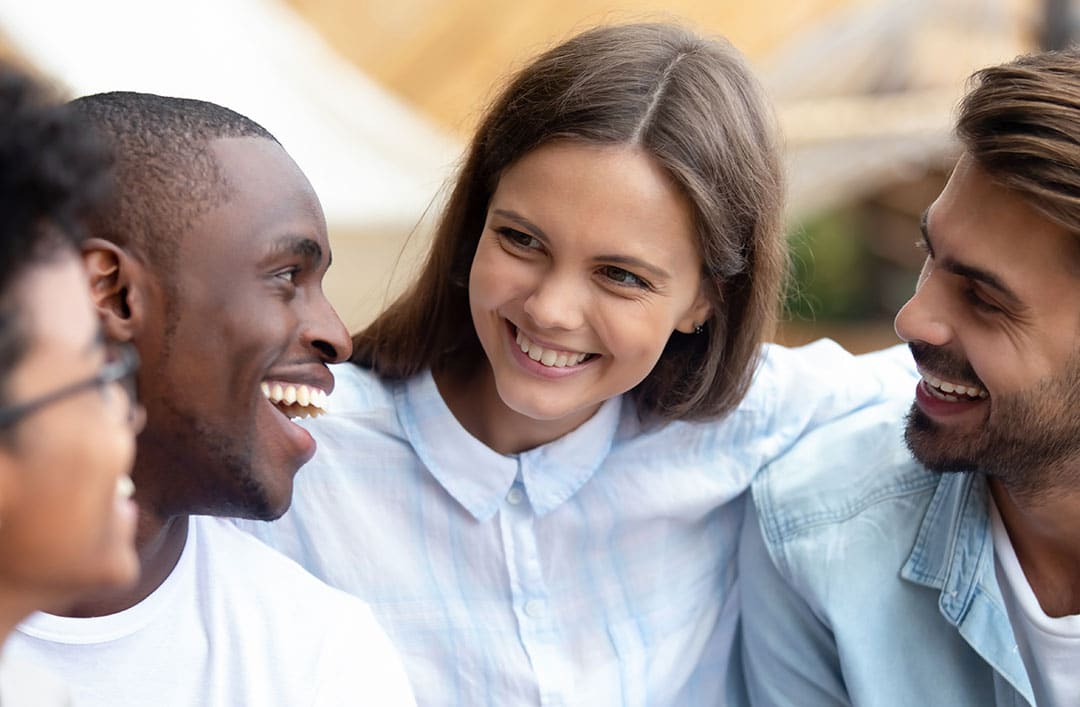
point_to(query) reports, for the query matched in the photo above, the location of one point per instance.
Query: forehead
(267, 198)
(593, 191)
(978, 223)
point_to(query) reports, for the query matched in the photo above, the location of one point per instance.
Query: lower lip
(299, 438)
(937, 408)
(535, 367)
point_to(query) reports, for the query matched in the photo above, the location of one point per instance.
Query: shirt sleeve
(801, 389)
(360, 664)
(789, 655)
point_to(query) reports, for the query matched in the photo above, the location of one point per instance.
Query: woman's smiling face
(587, 264)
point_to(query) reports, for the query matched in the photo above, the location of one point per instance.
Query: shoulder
(840, 474)
(263, 576)
(358, 389)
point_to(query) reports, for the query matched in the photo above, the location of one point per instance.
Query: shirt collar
(953, 550)
(477, 476)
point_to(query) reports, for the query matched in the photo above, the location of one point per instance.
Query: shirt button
(535, 608)
(515, 496)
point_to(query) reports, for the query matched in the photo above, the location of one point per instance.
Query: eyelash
(288, 274)
(978, 302)
(514, 239)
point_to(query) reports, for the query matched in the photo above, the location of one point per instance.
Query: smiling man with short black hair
(210, 260)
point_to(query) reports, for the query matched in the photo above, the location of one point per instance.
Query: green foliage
(831, 269)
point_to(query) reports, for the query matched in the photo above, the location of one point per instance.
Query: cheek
(637, 336)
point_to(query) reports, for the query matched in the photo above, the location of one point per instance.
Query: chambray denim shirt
(869, 580)
(595, 570)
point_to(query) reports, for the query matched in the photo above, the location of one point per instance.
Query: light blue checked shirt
(595, 570)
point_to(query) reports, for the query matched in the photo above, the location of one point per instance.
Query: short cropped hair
(166, 176)
(52, 173)
(692, 104)
(1020, 122)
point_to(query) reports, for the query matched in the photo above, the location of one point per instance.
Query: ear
(117, 287)
(696, 315)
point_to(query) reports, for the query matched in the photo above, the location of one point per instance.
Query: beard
(1030, 441)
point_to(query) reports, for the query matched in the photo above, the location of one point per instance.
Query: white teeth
(548, 357)
(125, 487)
(295, 400)
(941, 389)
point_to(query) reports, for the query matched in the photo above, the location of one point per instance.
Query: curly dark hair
(53, 172)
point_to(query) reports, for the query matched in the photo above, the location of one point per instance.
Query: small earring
(698, 328)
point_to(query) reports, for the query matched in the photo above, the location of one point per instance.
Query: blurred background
(376, 98)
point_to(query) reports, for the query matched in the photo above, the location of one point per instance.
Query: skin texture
(1019, 343)
(65, 529)
(586, 249)
(242, 304)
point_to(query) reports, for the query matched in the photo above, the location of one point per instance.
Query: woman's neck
(475, 402)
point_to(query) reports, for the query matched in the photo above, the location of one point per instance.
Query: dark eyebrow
(971, 272)
(301, 246)
(656, 272)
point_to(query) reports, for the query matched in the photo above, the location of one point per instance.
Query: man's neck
(1045, 534)
(159, 545)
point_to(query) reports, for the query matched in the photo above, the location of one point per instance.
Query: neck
(1045, 534)
(159, 543)
(476, 404)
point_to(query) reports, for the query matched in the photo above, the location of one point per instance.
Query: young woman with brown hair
(535, 466)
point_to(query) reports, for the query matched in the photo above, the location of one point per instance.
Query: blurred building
(375, 98)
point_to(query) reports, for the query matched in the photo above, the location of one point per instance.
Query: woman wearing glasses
(68, 417)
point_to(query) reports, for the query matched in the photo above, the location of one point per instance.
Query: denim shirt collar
(477, 476)
(954, 553)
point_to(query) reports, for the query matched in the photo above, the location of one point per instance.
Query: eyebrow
(627, 260)
(301, 246)
(970, 272)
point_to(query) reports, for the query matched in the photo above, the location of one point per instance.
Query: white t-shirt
(234, 624)
(24, 684)
(1049, 646)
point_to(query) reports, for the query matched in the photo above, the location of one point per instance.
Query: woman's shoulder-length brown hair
(692, 104)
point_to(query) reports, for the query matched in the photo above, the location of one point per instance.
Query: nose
(925, 317)
(556, 303)
(326, 333)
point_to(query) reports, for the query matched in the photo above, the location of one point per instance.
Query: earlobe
(114, 278)
(696, 316)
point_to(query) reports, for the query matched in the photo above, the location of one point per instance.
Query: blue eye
(624, 277)
(518, 239)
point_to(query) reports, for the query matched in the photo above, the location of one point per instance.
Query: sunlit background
(375, 98)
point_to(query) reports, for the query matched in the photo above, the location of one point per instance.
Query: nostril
(327, 349)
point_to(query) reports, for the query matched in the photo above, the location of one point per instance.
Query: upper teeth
(945, 387)
(125, 487)
(304, 397)
(549, 357)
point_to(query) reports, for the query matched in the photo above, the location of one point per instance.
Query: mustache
(943, 364)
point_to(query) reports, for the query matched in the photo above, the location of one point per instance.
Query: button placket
(530, 594)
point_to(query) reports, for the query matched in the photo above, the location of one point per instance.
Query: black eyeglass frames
(122, 361)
